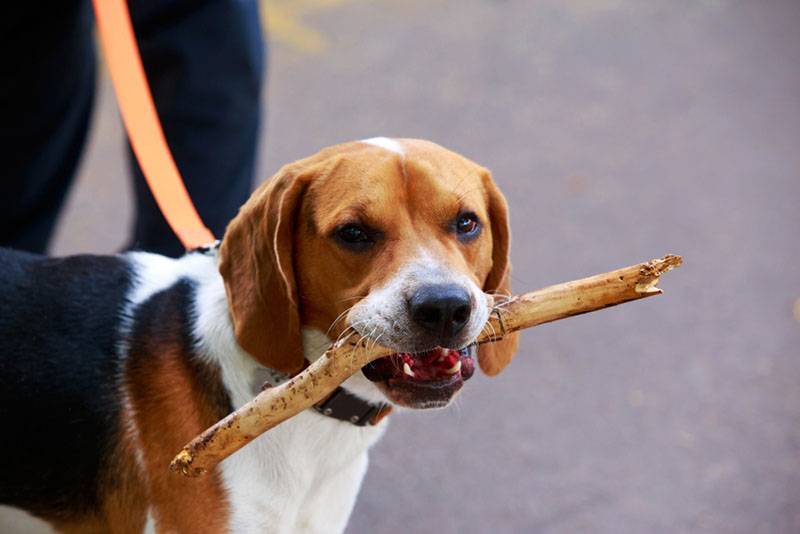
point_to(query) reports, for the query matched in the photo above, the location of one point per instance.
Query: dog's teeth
(407, 369)
(453, 370)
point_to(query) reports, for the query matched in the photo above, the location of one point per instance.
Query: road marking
(283, 22)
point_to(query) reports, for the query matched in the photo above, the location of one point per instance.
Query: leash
(143, 126)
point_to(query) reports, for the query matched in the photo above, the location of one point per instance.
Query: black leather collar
(345, 406)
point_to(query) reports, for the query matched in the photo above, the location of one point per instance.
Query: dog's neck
(243, 375)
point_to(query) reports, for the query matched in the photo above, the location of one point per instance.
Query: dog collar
(345, 406)
(341, 404)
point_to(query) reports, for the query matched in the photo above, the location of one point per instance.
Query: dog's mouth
(426, 379)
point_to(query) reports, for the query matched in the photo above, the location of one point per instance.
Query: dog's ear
(493, 357)
(258, 270)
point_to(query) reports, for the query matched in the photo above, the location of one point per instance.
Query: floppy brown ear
(257, 268)
(493, 357)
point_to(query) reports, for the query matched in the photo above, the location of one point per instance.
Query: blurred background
(619, 131)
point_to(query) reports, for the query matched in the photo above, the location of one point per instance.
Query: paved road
(619, 130)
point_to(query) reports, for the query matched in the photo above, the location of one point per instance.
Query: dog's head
(401, 240)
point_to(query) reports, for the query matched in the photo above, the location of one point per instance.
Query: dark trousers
(204, 61)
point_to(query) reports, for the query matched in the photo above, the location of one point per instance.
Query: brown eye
(355, 237)
(467, 226)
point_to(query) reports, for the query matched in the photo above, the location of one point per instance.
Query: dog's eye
(354, 236)
(467, 226)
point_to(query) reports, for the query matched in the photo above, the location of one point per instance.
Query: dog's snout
(441, 309)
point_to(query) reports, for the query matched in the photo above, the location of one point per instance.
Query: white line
(385, 143)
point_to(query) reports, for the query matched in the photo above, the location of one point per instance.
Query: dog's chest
(300, 477)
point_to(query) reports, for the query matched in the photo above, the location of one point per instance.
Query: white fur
(21, 522)
(388, 144)
(383, 315)
(150, 524)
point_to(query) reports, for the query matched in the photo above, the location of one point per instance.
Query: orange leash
(143, 126)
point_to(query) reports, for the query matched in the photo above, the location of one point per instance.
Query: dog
(110, 364)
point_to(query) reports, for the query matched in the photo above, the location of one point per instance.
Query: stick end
(650, 273)
(648, 291)
(182, 463)
(667, 263)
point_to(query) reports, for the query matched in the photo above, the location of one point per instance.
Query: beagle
(110, 364)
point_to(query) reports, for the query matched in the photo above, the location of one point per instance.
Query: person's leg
(47, 84)
(204, 62)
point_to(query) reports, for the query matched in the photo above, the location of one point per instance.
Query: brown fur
(256, 264)
(172, 405)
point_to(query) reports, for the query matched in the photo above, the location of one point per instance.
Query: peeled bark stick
(275, 405)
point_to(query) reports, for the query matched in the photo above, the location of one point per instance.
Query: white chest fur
(302, 476)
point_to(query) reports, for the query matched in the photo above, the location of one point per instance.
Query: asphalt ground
(619, 131)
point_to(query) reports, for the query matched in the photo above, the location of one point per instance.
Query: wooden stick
(274, 405)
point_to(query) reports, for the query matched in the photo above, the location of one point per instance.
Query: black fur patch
(60, 373)
(59, 403)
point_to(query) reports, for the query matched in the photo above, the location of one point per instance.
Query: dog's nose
(441, 309)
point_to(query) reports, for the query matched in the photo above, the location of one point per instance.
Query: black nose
(441, 309)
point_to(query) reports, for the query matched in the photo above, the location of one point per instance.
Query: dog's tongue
(433, 365)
